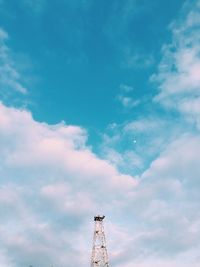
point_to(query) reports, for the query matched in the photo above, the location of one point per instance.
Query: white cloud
(166, 205)
(173, 181)
(52, 185)
(124, 97)
(128, 102)
(10, 78)
(162, 212)
(132, 145)
(52, 182)
(179, 70)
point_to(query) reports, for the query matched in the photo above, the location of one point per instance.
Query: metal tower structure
(99, 250)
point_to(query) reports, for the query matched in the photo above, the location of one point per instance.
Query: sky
(99, 114)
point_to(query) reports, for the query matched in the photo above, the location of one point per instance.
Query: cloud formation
(51, 183)
(166, 199)
(179, 70)
(10, 78)
(126, 100)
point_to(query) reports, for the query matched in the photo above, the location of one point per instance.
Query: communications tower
(99, 250)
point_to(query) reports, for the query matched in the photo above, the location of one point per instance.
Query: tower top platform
(99, 218)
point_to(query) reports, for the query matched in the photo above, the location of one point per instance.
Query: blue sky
(80, 52)
(99, 113)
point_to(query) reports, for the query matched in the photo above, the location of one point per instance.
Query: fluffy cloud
(163, 210)
(50, 183)
(131, 146)
(179, 70)
(162, 213)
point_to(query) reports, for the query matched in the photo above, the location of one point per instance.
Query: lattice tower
(99, 250)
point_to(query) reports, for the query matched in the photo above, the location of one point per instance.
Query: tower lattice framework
(99, 250)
